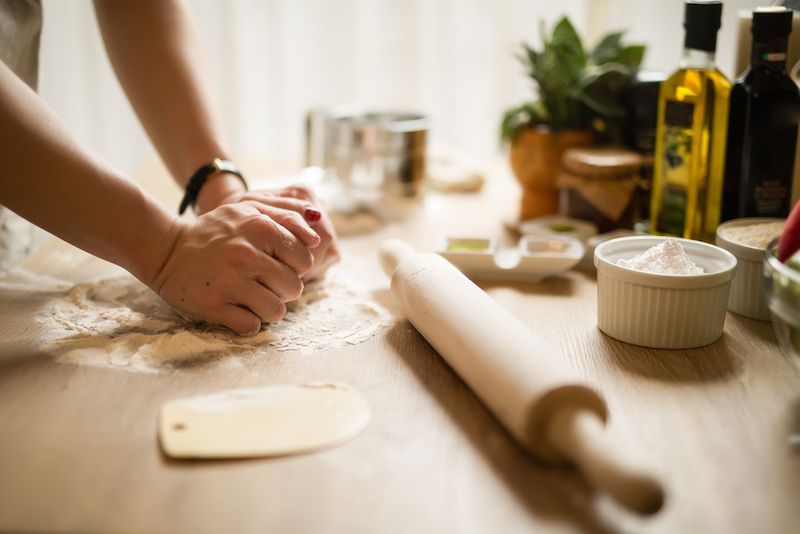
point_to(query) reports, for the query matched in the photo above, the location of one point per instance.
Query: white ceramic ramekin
(747, 287)
(663, 311)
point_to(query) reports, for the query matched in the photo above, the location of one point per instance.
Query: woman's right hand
(237, 265)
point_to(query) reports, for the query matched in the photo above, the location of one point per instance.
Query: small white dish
(536, 257)
(664, 311)
(558, 225)
(747, 288)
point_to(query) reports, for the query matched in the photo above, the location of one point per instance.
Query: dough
(268, 421)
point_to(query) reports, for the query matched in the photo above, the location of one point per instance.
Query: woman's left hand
(300, 199)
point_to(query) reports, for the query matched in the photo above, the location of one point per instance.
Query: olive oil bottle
(690, 136)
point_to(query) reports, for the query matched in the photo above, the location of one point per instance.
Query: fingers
(297, 191)
(291, 252)
(272, 237)
(312, 216)
(240, 320)
(259, 300)
(286, 203)
(291, 219)
(305, 208)
(252, 302)
(237, 265)
(279, 279)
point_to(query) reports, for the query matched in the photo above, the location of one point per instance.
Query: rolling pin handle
(579, 435)
(392, 253)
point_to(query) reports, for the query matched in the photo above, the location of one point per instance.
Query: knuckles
(294, 218)
(242, 253)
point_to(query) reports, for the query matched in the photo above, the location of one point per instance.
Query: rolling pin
(524, 382)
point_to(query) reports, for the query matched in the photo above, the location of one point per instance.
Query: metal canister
(370, 152)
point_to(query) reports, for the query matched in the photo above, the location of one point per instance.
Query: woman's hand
(238, 264)
(302, 201)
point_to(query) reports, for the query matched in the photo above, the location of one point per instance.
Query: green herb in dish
(467, 245)
(556, 227)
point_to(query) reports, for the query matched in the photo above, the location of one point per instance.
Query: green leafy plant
(575, 88)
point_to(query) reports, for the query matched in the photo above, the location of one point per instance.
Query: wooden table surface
(79, 451)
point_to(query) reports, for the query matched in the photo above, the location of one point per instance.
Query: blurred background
(272, 60)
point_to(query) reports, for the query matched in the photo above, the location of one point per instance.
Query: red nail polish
(312, 215)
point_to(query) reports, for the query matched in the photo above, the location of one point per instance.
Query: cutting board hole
(178, 426)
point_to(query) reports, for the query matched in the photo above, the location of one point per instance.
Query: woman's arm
(156, 54)
(47, 178)
(155, 51)
(235, 265)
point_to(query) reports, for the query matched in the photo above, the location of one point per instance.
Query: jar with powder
(664, 293)
(747, 239)
(599, 185)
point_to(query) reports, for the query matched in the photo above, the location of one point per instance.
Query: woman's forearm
(155, 51)
(50, 180)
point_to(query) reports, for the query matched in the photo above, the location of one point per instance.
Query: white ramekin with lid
(747, 288)
(663, 311)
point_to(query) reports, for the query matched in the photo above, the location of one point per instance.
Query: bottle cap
(771, 23)
(702, 21)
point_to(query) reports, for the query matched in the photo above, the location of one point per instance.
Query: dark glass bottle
(762, 125)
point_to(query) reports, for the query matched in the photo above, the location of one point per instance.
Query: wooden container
(599, 185)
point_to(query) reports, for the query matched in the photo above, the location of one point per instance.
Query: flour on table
(120, 323)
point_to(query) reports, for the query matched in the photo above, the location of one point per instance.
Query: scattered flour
(668, 257)
(752, 235)
(120, 323)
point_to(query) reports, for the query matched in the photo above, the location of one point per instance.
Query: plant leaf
(631, 56)
(612, 76)
(520, 117)
(572, 87)
(607, 49)
(529, 55)
(602, 102)
(567, 40)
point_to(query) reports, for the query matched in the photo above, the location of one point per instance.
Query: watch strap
(200, 177)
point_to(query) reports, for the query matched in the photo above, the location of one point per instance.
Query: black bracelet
(200, 177)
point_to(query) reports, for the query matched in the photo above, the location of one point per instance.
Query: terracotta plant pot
(536, 161)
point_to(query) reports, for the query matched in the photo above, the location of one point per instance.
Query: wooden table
(79, 452)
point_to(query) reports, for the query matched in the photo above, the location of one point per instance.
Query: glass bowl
(782, 292)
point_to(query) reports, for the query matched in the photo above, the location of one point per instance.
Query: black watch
(200, 177)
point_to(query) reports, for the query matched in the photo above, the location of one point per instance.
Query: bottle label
(678, 114)
(771, 199)
(770, 54)
(763, 140)
(675, 166)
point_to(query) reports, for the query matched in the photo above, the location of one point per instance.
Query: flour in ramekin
(668, 257)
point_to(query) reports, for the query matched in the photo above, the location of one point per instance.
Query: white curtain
(272, 60)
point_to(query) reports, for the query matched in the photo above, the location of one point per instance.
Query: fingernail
(312, 215)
